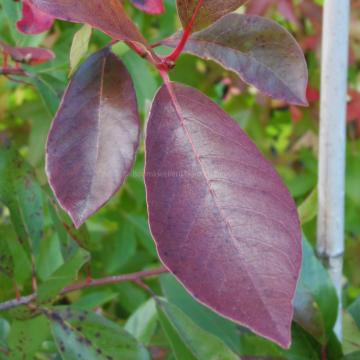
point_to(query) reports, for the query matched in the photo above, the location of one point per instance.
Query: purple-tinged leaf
(259, 50)
(28, 55)
(210, 11)
(108, 16)
(94, 137)
(154, 7)
(33, 21)
(222, 219)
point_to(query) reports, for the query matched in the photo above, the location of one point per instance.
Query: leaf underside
(223, 221)
(94, 137)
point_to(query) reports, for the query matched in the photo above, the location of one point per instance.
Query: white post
(330, 233)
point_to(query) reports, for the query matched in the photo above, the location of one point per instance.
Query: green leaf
(352, 356)
(63, 276)
(208, 320)
(142, 323)
(4, 333)
(303, 347)
(120, 247)
(144, 81)
(202, 344)
(6, 258)
(50, 258)
(316, 300)
(142, 229)
(21, 270)
(92, 336)
(95, 299)
(21, 193)
(79, 47)
(351, 334)
(308, 209)
(354, 310)
(26, 337)
(49, 96)
(179, 348)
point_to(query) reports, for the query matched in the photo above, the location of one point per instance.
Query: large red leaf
(108, 16)
(94, 136)
(223, 221)
(154, 7)
(28, 55)
(259, 50)
(210, 11)
(33, 21)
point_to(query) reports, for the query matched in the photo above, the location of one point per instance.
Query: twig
(186, 34)
(135, 277)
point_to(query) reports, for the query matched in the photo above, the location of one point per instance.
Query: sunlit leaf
(79, 47)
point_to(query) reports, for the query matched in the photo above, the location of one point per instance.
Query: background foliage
(36, 236)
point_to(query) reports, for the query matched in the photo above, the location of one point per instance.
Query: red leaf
(108, 16)
(211, 11)
(94, 136)
(259, 50)
(155, 7)
(223, 221)
(28, 55)
(33, 21)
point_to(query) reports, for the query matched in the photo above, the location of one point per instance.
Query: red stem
(114, 280)
(134, 277)
(186, 34)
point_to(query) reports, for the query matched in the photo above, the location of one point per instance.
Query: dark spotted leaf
(28, 55)
(22, 194)
(94, 137)
(259, 50)
(210, 11)
(85, 335)
(6, 258)
(26, 337)
(154, 7)
(33, 20)
(187, 339)
(223, 221)
(107, 16)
